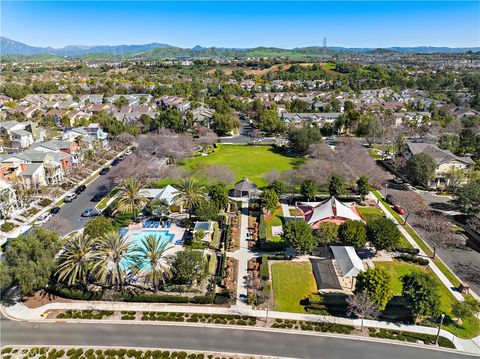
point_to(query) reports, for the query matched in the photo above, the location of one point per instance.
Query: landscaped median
(250, 321)
(12, 352)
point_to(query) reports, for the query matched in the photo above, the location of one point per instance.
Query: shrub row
(313, 326)
(409, 337)
(408, 250)
(74, 293)
(85, 314)
(413, 259)
(200, 318)
(74, 353)
(45, 202)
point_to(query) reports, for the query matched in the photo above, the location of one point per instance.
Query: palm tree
(74, 260)
(130, 199)
(190, 193)
(113, 254)
(150, 261)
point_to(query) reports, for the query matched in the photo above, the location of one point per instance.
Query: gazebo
(245, 188)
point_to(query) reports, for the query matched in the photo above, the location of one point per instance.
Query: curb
(246, 327)
(64, 347)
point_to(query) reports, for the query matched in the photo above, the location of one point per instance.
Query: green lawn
(103, 203)
(470, 328)
(275, 219)
(292, 281)
(253, 162)
(369, 213)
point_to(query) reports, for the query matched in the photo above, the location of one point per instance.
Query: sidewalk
(431, 264)
(21, 312)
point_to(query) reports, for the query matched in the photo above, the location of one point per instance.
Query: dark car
(115, 162)
(99, 196)
(54, 210)
(105, 170)
(390, 199)
(80, 189)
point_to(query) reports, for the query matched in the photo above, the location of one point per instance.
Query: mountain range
(14, 49)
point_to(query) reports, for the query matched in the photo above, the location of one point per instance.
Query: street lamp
(442, 316)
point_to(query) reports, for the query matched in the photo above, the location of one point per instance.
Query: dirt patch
(41, 298)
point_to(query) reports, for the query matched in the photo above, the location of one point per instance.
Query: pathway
(242, 255)
(414, 244)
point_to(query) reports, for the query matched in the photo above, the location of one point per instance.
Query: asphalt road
(71, 212)
(208, 339)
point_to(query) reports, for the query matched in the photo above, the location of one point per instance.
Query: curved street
(227, 340)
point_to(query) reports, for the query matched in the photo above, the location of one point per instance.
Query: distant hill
(17, 51)
(8, 46)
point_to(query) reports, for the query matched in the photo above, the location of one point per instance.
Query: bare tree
(219, 173)
(412, 202)
(56, 224)
(362, 306)
(166, 144)
(437, 231)
(272, 176)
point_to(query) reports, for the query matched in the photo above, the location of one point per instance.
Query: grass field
(275, 219)
(292, 281)
(468, 329)
(253, 162)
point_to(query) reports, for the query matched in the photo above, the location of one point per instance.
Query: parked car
(89, 212)
(104, 170)
(390, 199)
(54, 210)
(70, 197)
(80, 189)
(399, 209)
(99, 196)
(398, 180)
(121, 157)
(115, 162)
(42, 219)
(128, 152)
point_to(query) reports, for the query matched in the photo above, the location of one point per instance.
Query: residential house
(203, 115)
(444, 161)
(20, 135)
(320, 118)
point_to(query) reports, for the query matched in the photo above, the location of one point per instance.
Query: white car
(128, 152)
(42, 219)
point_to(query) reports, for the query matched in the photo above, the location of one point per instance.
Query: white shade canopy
(347, 259)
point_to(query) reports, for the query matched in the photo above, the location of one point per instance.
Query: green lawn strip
(253, 162)
(212, 264)
(468, 329)
(443, 268)
(274, 220)
(103, 203)
(292, 281)
(375, 154)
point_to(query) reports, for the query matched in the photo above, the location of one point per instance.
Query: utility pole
(442, 316)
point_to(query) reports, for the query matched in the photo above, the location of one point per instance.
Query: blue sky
(243, 24)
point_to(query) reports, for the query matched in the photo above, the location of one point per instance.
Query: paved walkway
(414, 244)
(21, 312)
(242, 255)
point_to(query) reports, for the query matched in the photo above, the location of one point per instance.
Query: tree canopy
(383, 233)
(421, 168)
(299, 235)
(376, 282)
(190, 267)
(353, 233)
(420, 292)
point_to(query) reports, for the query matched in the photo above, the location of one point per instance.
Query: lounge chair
(163, 224)
(169, 223)
(157, 224)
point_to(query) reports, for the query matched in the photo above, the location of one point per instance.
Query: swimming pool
(136, 241)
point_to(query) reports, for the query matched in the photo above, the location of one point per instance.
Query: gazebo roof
(245, 185)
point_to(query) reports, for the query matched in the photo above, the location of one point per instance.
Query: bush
(44, 202)
(413, 259)
(8, 226)
(153, 298)
(412, 251)
(264, 272)
(74, 293)
(203, 299)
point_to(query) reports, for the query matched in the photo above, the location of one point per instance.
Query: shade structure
(347, 259)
